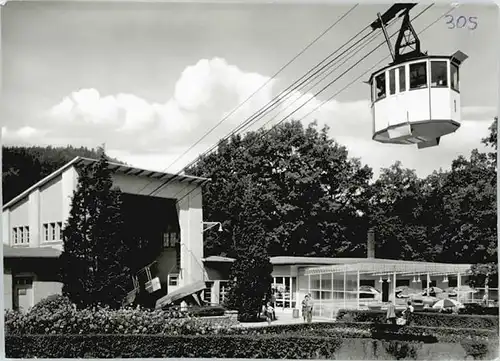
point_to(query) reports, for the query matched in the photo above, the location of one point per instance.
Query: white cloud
(153, 135)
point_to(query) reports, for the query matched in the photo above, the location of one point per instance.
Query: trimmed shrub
(424, 319)
(212, 346)
(206, 311)
(477, 309)
(69, 320)
(127, 346)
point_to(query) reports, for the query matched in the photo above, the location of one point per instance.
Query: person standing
(304, 307)
(269, 313)
(391, 313)
(310, 306)
(408, 313)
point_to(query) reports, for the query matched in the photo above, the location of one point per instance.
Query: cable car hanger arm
(407, 37)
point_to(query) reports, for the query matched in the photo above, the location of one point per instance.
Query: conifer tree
(93, 261)
(251, 272)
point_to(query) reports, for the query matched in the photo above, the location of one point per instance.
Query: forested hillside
(24, 166)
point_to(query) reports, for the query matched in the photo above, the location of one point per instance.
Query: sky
(150, 79)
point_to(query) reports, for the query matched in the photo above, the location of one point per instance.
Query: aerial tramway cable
(345, 87)
(328, 29)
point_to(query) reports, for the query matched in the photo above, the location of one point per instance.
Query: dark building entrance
(153, 223)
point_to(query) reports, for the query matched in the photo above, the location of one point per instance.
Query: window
(224, 288)
(58, 231)
(370, 283)
(14, 235)
(402, 78)
(207, 292)
(26, 234)
(392, 81)
(452, 282)
(431, 284)
(173, 279)
(454, 77)
(418, 75)
(400, 283)
(439, 74)
(21, 235)
(380, 86)
(52, 231)
(170, 239)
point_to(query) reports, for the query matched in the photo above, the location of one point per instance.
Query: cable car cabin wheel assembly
(416, 98)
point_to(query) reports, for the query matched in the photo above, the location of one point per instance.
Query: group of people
(407, 313)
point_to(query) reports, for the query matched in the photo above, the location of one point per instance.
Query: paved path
(284, 318)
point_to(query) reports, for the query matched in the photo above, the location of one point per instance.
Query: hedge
(430, 319)
(206, 311)
(372, 330)
(476, 309)
(218, 346)
(142, 346)
(68, 320)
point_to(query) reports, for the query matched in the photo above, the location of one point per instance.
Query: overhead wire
(366, 72)
(345, 87)
(268, 81)
(347, 57)
(289, 90)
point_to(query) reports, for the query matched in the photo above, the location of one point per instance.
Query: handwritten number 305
(461, 22)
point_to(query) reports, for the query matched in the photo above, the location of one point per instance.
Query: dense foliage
(250, 274)
(24, 166)
(59, 315)
(311, 191)
(95, 254)
(429, 319)
(311, 342)
(319, 202)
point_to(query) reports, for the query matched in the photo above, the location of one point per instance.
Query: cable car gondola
(416, 98)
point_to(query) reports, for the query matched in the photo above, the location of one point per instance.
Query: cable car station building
(173, 220)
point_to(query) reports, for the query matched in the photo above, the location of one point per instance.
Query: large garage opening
(153, 224)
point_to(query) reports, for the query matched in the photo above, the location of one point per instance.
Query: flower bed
(58, 316)
(424, 319)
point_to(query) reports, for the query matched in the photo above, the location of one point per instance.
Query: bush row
(58, 316)
(477, 309)
(219, 346)
(127, 346)
(373, 330)
(424, 319)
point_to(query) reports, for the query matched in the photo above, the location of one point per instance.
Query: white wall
(51, 201)
(69, 182)
(19, 214)
(191, 224)
(34, 218)
(144, 186)
(6, 226)
(7, 289)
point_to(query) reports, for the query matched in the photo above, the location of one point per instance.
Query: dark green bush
(127, 346)
(69, 320)
(270, 346)
(422, 318)
(477, 309)
(206, 311)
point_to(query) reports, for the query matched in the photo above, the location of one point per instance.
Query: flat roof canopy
(398, 267)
